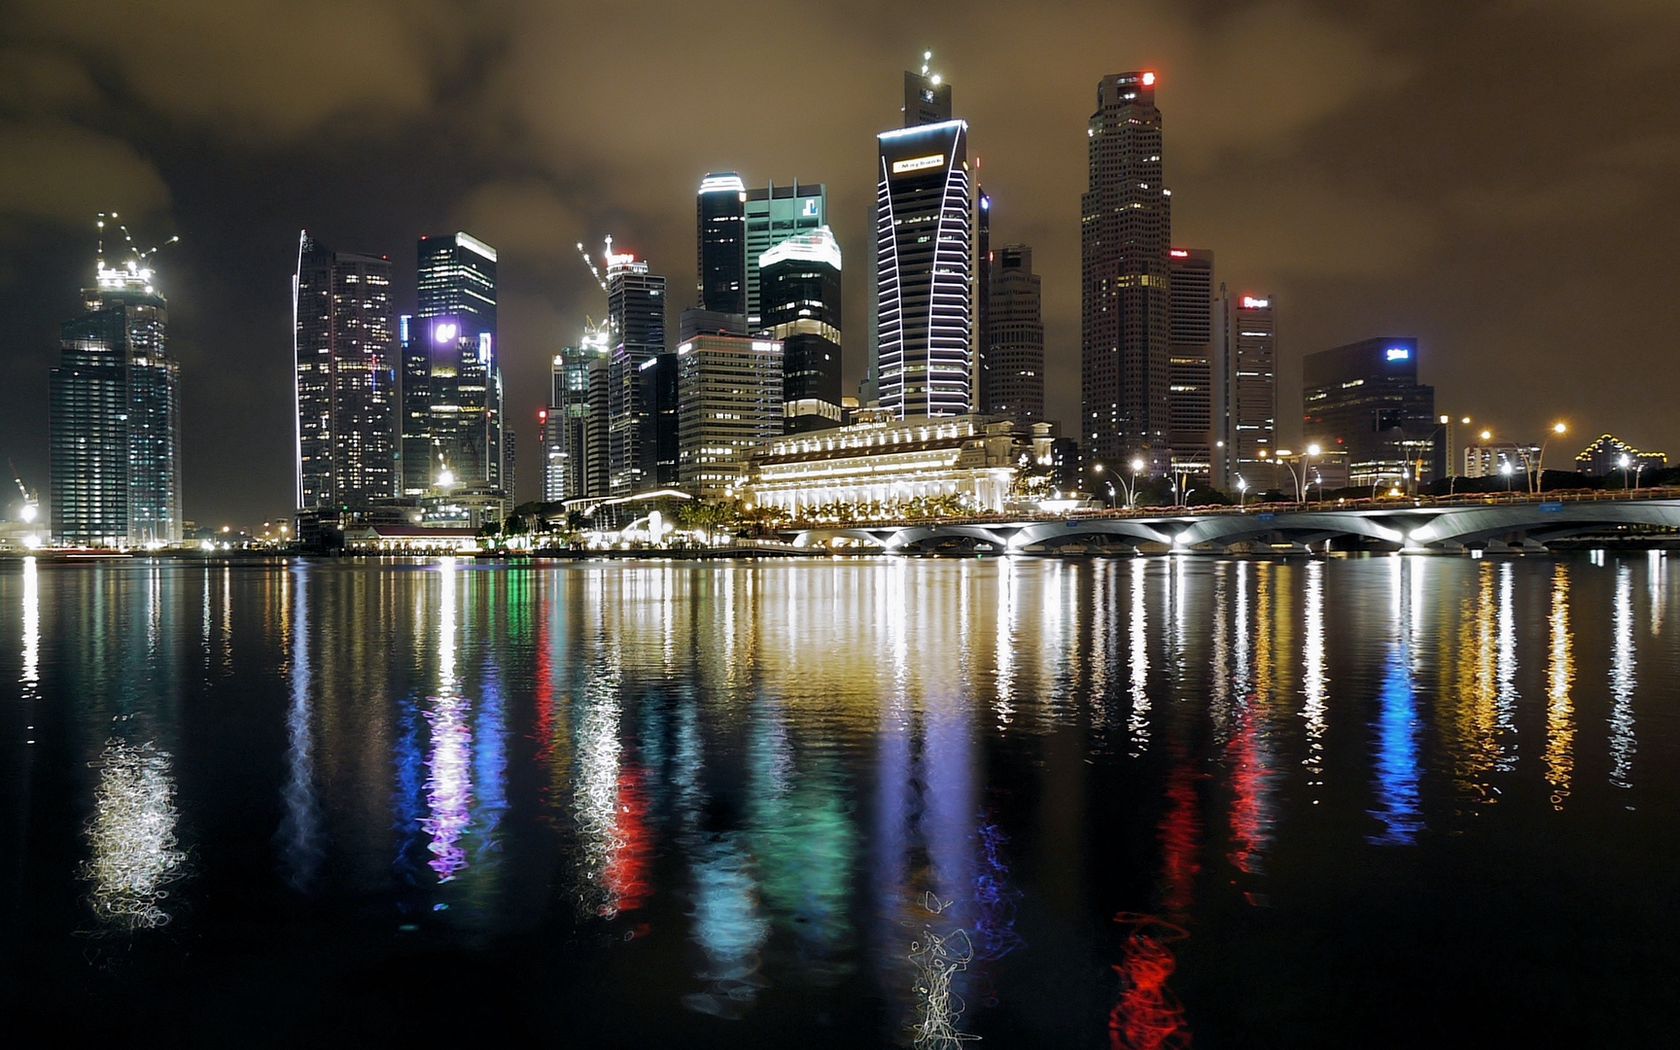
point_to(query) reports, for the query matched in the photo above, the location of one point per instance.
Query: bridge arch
(1543, 521)
(916, 537)
(1226, 529)
(824, 537)
(1051, 532)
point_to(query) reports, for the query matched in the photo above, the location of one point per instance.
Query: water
(1384, 801)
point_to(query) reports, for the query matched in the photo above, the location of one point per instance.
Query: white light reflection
(1505, 696)
(1622, 680)
(1004, 705)
(1137, 723)
(132, 836)
(595, 788)
(1220, 711)
(300, 828)
(449, 766)
(29, 676)
(1313, 676)
(1656, 570)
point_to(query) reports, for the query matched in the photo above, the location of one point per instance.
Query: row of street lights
(1533, 469)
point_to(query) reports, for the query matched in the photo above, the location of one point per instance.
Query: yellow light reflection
(1560, 708)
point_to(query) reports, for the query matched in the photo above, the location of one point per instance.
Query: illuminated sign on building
(445, 331)
(1179, 253)
(1249, 302)
(933, 160)
(810, 211)
(1399, 353)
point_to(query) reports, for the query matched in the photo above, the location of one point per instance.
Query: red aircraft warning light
(1149, 80)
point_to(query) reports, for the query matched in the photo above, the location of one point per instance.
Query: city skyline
(1345, 271)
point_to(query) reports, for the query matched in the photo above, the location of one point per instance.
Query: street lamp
(1538, 481)
(1505, 469)
(1299, 477)
(1446, 428)
(1137, 466)
(1242, 491)
(1627, 463)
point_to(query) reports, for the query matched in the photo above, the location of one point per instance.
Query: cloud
(39, 81)
(59, 172)
(258, 70)
(526, 218)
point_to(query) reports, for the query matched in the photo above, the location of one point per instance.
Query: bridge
(1487, 523)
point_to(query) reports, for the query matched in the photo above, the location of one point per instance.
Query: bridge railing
(1389, 503)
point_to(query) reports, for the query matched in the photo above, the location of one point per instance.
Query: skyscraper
(455, 327)
(1190, 353)
(800, 280)
(416, 459)
(721, 243)
(566, 423)
(982, 301)
(1014, 339)
(636, 323)
(729, 389)
(924, 259)
(343, 366)
(1125, 231)
(114, 439)
(774, 214)
(1364, 400)
(1246, 382)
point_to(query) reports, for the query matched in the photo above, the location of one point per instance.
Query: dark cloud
(1495, 178)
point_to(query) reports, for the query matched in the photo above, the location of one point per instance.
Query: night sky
(1497, 179)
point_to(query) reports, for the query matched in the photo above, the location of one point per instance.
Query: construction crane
(31, 501)
(136, 265)
(593, 272)
(596, 334)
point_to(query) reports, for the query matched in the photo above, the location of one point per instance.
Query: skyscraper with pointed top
(115, 412)
(923, 359)
(1125, 235)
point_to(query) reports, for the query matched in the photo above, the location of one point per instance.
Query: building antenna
(927, 60)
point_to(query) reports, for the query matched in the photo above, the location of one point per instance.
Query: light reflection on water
(910, 794)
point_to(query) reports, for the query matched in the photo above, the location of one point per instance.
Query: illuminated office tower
(455, 327)
(566, 423)
(1364, 400)
(114, 438)
(416, 461)
(1125, 234)
(800, 280)
(636, 321)
(1245, 380)
(1190, 354)
(924, 259)
(344, 372)
(720, 240)
(775, 214)
(982, 298)
(1014, 337)
(729, 389)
